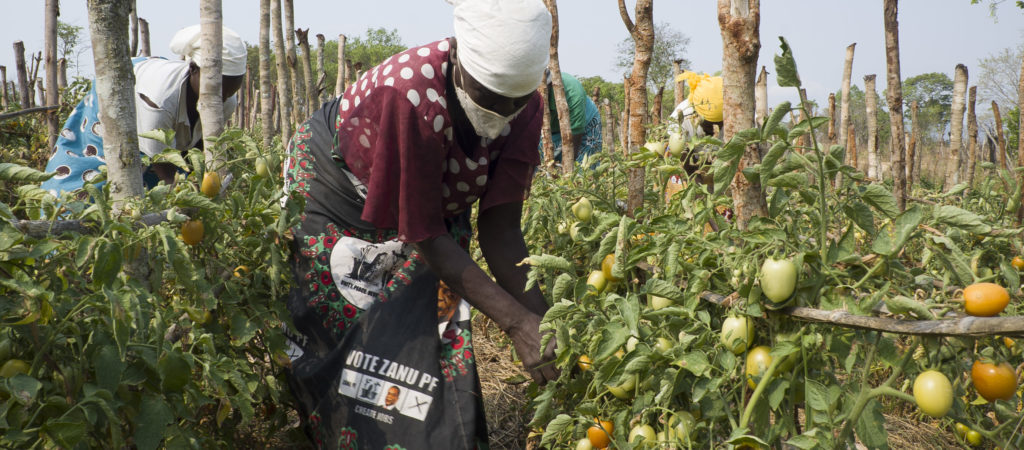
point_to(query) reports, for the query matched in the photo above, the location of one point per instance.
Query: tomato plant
(778, 279)
(600, 433)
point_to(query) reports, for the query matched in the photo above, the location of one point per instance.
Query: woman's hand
(526, 338)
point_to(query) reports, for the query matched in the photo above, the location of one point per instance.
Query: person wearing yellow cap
(166, 96)
(389, 175)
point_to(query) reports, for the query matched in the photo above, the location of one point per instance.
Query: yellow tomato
(600, 433)
(606, 267)
(758, 360)
(192, 231)
(211, 184)
(985, 299)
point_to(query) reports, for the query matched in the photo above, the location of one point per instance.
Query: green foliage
(933, 93)
(858, 116)
(1011, 120)
(68, 38)
(669, 45)
(132, 337)
(854, 249)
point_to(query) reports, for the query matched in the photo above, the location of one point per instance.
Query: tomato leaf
(960, 218)
(107, 262)
(777, 393)
(954, 259)
(861, 215)
(21, 174)
(696, 363)
(613, 336)
(771, 125)
(555, 428)
(880, 198)
(108, 367)
(1010, 273)
(817, 396)
(870, 427)
(67, 434)
(563, 284)
(629, 308)
(771, 158)
(662, 288)
(785, 67)
(890, 242)
(153, 418)
(792, 180)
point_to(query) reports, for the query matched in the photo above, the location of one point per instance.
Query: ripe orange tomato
(606, 267)
(192, 231)
(600, 433)
(1018, 262)
(585, 363)
(994, 381)
(985, 299)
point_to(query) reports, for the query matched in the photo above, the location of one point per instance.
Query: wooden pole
(656, 109)
(624, 121)
(108, 29)
(284, 83)
(831, 119)
(761, 96)
(844, 103)
(211, 100)
(547, 147)
(25, 101)
(52, 91)
(1000, 140)
(339, 85)
(33, 77)
(307, 70)
(894, 95)
(294, 71)
(144, 37)
(62, 74)
(133, 23)
(871, 105)
(956, 125)
(558, 88)
(266, 91)
(972, 135)
(321, 71)
(740, 23)
(851, 146)
(608, 130)
(913, 166)
(677, 69)
(642, 32)
(3, 89)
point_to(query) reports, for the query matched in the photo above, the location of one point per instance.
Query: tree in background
(858, 116)
(997, 76)
(373, 48)
(68, 39)
(669, 45)
(933, 93)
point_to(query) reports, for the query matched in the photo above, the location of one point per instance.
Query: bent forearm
(454, 266)
(502, 244)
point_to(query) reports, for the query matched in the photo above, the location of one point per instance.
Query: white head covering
(186, 43)
(503, 44)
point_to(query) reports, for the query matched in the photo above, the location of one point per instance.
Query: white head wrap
(186, 43)
(503, 44)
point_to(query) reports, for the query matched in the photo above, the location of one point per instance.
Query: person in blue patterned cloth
(166, 94)
(380, 334)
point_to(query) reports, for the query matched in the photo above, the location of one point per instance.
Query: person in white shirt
(167, 92)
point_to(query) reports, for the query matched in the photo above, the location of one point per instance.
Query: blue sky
(935, 35)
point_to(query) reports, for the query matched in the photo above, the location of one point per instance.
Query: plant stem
(871, 273)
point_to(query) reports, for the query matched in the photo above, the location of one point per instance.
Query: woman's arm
(455, 267)
(501, 241)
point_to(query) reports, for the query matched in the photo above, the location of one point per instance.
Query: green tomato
(961, 430)
(682, 425)
(262, 167)
(974, 438)
(778, 279)
(584, 444)
(663, 345)
(933, 393)
(583, 210)
(676, 144)
(737, 333)
(642, 433)
(597, 280)
(656, 147)
(624, 391)
(657, 302)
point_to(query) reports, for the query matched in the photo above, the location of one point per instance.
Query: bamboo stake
(144, 37)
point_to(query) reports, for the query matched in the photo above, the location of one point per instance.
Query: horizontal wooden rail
(22, 112)
(39, 229)
(961, 326)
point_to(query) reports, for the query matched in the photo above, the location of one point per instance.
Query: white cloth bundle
(503, 44)
(186, 43)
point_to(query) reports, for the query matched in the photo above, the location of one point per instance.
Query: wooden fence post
(972, 135)
(292, 61)
(144, 37)
(844, 102)
(52, 91)
(871, 105)
(3, 88)
(211, 100)
(339, 85)
(956, 126)
(309, 99)
(321, 72)
(19, 62)
(284, 83)
(761, 97)
(266, 91)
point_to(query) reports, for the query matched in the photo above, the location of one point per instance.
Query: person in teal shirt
(584, 118)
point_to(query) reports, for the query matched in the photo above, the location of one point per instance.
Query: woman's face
(229, 84)
(497, 103)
